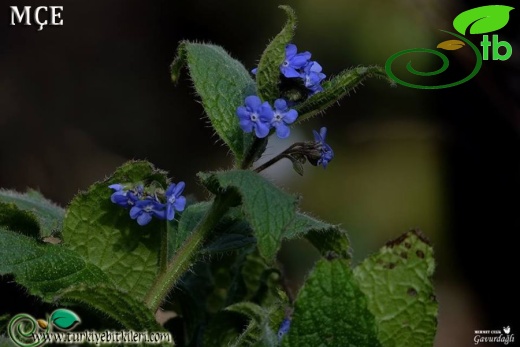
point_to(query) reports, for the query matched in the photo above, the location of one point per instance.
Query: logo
(26, 331)
(494, 336)
(479, 20)
(23, 328)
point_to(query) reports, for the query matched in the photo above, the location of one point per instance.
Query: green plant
(215, 264)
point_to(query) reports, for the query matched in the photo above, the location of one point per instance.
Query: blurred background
(78, 100)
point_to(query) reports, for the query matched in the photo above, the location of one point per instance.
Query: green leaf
(397, 283)
(222, 83)
(24, 222)
(228, 243)
(114, 303)
(105, 236)
(258, 329)
(484, 19)
(64, 319)
(250, 310)
(337, 88)
(268, 73)
(49, 217)
(267, 209)
(331, 310)
(44, 269)
(178, 232)
(330, 240)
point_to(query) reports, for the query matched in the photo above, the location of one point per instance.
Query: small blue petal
(135, 212)
(253, 102)
(180, 203)
(290, 116)
(280, 105)
(261, 130)
(246, 125)
(289, 72)
(285, 326)
(327, 154)
(282, 130)
(323, 134)
(116, 187)
(243, 113)
(179, 188)
(144, 219)
(290, 50)
(170, 212)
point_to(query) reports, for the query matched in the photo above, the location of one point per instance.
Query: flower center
(277, 117)
(286, 63)
(171, 200)
(254, 117)
(148, 208)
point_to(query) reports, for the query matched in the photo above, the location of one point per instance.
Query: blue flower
(122, 197)
(293, 61)
(284, 328)
(282, 117)
(145, 209)
(256, 116)
(326, 151)
(174, 200)
(312, 77)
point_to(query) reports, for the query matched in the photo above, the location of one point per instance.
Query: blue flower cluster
(300, 65)
(261, 117)
(144, 205)
(326, 152)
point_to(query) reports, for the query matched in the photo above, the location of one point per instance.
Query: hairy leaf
(258, 329)
(104, 235)
(222, 83)
(49, 217)
(178, 232)
(114, 303)
(331, 310)
(330, 240)
(267, 209)
(44, 269)
(335, 89)
(268, 73)
(397, 284)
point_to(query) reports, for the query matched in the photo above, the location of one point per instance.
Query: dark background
(78, 100)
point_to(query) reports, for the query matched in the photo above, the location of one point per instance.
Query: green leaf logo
(484, 19)
(64, 319)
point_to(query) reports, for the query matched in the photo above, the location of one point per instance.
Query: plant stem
(163, 255)
(184, 256)
(255, 151)
(295, 147)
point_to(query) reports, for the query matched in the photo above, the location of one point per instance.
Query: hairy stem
(163, 255)
(294, 148)
(184, 256)
(255, 151)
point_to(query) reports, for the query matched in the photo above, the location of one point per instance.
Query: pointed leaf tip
(268, 73)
